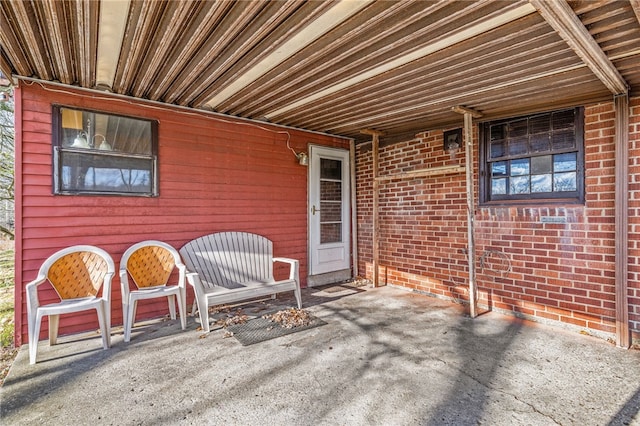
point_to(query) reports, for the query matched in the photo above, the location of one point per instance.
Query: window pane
(103, 153)
(498, 132)
(520, 167)
(563, 140)
(565, 181)
(499, 186)
(519, 146)
(519, 185)
(541, 183)
(540, 165)
(563, 120)
(533, 157)
(540, 123)
(564, 162)
(518, 128)
(540, 142)
(498, 149)
(499, 168)
(97, 173)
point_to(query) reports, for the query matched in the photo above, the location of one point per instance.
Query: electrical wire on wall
(150, 104)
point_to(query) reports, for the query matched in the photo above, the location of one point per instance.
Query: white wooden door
(329, 212)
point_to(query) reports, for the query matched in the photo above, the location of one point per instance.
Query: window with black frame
(534, 157)
(99, 153)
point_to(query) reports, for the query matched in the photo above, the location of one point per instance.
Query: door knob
(314, 210)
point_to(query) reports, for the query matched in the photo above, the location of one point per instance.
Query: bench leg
(298, 294)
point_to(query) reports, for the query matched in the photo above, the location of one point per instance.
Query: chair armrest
(124, 284)
(32, 293)
(294, 267)
(182, 272)
(106, 287)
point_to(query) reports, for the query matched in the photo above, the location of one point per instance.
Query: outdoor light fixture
(303, 159)
(452, 142)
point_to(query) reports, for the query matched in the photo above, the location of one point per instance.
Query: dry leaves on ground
(238, 317)
(290, 318)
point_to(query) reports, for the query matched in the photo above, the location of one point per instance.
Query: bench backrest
(230, 259)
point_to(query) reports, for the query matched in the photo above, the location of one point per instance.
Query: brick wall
(634, 213)
(526, 263)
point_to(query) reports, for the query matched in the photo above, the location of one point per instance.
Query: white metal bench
(229, 267)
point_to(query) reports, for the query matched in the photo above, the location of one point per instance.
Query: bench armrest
(294, 267)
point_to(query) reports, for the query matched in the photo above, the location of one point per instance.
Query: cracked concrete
(385, 357)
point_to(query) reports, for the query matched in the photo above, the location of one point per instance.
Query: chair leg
(54, 322)
(131, 315)
(34, 337)
(103, 326)
(172, 306)
(182, 307)
(203, 309)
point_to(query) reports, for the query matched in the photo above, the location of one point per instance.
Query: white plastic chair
(78, 274)
(150, 264)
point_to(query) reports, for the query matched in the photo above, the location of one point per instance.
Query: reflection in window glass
(499, 186)
(564, 162)
(499, 168)
(565, 181)
(520, 167)
(87, 173)
(541, 183)
(519, 185)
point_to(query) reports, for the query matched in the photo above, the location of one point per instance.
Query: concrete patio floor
(385, 357)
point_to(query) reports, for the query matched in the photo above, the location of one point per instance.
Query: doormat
(261, 329)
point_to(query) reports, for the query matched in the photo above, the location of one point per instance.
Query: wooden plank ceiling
(332, 66)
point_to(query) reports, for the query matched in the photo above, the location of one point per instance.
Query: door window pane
(330, 233)
(330, 169)
(330, 201)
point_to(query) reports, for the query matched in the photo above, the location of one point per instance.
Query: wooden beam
(375, 142)
(354, 207)
(431, 171)
(635, 4)
(471, 252)
(473, 286)
(464, 110)
(564, 21)
(621, 103)
(5, 68)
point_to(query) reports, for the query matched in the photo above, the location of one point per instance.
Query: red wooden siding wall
(215, 174)
(562, 272)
